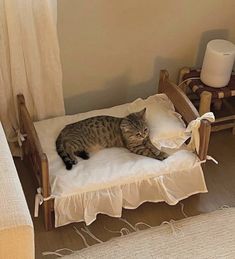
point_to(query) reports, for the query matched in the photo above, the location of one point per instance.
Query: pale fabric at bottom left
(16, 227)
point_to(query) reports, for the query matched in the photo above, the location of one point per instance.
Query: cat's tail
(63, 154)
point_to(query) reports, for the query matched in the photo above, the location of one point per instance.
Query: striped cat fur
(92, 134)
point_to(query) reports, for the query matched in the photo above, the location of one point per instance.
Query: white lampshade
(218, 63)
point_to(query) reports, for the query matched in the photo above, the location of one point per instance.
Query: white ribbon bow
(39, 201)
(193, 128)
(20, 137)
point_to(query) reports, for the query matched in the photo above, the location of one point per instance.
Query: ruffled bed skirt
(170, 188)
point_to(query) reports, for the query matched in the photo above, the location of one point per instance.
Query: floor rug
(210, 235)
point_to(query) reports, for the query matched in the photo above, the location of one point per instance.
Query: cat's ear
(141, 114)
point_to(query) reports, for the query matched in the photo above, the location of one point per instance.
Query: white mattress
(114, 178)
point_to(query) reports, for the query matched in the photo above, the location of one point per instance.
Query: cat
(95, 133)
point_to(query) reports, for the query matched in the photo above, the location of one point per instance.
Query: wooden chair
(189, 81)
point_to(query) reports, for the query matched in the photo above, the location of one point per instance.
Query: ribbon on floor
(20, 138)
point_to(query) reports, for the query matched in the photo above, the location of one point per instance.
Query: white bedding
(114, 178)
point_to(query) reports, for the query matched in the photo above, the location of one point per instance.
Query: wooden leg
(47, 215)
(205, 102)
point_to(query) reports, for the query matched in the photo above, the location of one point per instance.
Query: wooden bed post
(164, 76)
(47, 205)
(205, 131)
(37, 158)
(21, 102)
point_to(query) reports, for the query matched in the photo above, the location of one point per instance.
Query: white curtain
(29, 61)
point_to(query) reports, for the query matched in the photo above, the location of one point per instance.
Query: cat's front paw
(69, 165)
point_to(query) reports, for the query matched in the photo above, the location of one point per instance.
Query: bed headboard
(181, 102)
(185, 107)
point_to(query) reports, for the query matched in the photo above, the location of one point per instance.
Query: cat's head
(134, 126)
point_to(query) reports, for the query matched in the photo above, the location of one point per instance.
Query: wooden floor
(220, 181)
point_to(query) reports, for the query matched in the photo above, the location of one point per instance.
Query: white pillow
(167, 129)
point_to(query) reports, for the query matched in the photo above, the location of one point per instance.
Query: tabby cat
(92, 134)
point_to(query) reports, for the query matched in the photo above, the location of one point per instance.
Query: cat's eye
(145, 130)
(138, 134)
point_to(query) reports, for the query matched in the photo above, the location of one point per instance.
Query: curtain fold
(29, 61)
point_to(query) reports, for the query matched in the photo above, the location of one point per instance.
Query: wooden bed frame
(32, 148)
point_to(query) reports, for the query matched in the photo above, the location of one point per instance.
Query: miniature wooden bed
(32, 148)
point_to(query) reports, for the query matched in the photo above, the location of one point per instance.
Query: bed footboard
(33, 150)
(188, 111)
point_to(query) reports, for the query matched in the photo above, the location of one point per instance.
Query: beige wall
(112, 50)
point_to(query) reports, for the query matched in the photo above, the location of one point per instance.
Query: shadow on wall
(205, 38)
(113, 93)
(119, 90)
